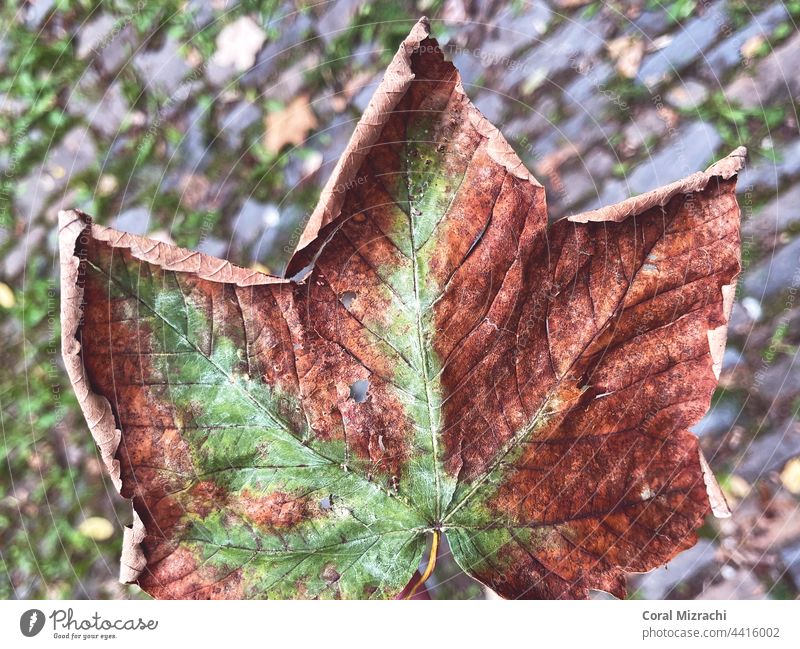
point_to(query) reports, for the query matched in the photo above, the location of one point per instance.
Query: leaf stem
(429, 568)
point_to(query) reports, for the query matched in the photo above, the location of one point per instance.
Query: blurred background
(213, 124)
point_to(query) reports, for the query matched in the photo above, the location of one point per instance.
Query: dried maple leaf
(442, 363)
(289, 125)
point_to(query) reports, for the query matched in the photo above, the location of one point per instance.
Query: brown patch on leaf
(275, 510)
(180, 575)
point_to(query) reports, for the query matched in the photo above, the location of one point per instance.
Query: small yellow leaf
(261, 268)
(96, 528)
(289, 125)
(7, 299)
(627, 53)
(790, 476)
(752, 46)
(737, 487)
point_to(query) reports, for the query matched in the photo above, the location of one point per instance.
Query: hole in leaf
(347, 298)
(358, 391)
(326, 502)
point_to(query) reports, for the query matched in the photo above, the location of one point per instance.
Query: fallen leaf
(238, 43)
(289, 125)
(752, 46)
(441, 363)
(96, 528)
(790, 476)
(737, 487)
(627, 53)
(7, 299)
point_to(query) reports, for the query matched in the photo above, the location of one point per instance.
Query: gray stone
(570, 45)
(738, 584)
(162, 70)
(691, 149)
(192, 152)
(37, 12)
(659, 583)
(470, 67)
(732, 359)
(647, 124)
(339, 131)
(73, 155)
(116, 49)
(531, 18)
(514, 30)
(651, 23)
(775, 274)
(135, 220)
(220, 75)
(584, 129)
(614, 191)
(337, 18)
(770, 451)
(687, 94)
(14, 260)
(291, 40)
(588, 85)
(781, 213)
(599, 163)
(717, 420)
(364, 95)
(237, 120)
(251, 221)
(213, 246)
(688, 44)
(491, 104)
(766, 175)
(790, 556)
(776, 76)
(201, 11)
(522, 130)
(5, 48)
(578, 186)
(93, 35)
(741, 321)
(779, 381)
(12, 106)
(104, 109)
(291, 81)
(728, 53)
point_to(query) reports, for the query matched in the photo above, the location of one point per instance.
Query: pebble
(689, 42)
(238, 43)
(776, 76)
(135, 220)
(729, 52)
(776, 273)
(687, 95)
(236, 121)
(659, 583)
(779, 214)
(94, 35)
(162, 70)
(769, 451)
(693, 147)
